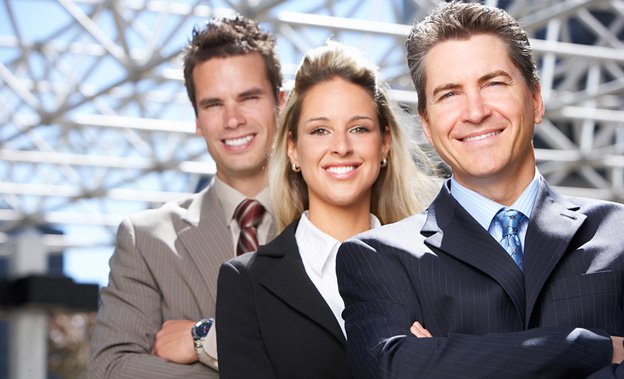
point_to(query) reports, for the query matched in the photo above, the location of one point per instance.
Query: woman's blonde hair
(402, 187)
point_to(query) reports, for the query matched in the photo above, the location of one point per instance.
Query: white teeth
(340, 170)
(238, 141)
(482, 136)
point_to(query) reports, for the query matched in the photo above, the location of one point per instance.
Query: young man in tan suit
(164, 269)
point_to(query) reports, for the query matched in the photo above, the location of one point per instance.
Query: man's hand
(419, 331)
(174, 342)
(618, 350)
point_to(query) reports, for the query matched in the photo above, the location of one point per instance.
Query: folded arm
(381, 305)
(129, 317)
(174, 342)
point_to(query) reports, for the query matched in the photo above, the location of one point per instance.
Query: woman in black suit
(341, 165)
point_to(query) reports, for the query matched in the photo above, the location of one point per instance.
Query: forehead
(337, 97)
(233, 73)
(462, 60)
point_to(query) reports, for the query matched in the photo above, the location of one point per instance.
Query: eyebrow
(494, 74)
(444, 87)
(207, 101)
(249, 92)
(323, 118)
(482, 79)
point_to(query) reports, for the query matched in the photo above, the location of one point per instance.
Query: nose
(475, 108)
(341, 144)
(233, 115)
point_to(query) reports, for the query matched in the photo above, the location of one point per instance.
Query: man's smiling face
(480, 112)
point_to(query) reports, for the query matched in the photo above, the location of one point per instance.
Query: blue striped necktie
(510, 221)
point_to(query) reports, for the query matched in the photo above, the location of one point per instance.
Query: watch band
(203, 356)
(203, 333)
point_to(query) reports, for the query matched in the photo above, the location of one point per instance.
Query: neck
(504, 190)
(340, 222)
(250, 186)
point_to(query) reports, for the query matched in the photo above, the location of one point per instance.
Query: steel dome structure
(95, 122)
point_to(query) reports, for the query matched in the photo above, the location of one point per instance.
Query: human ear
(538, 104)
(292, 150)
(198, 130)
(424, 121)
(387, 139)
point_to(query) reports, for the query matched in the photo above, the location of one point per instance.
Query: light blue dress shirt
(484, 210)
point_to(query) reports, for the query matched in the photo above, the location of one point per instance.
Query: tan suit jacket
(165, 267)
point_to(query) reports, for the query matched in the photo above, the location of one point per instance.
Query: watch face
(200, 330)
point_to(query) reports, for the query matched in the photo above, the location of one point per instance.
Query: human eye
(447, 95)
(358, 129)
(319, 131)
(251, 97)
(500, 80)
(495, 83)
(210, 104)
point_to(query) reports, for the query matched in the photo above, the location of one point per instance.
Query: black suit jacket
(271, 320)
(488, 318)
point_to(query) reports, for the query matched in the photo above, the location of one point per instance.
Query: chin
(341, 201)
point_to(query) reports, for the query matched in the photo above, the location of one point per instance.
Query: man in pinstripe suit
(553, 307)
(164, 269)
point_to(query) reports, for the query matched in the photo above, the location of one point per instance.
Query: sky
(38, 18)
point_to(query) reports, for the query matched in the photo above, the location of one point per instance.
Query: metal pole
(28, 343)
(28, 325)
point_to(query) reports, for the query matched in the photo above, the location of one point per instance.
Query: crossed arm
(381, 300)
(129, 317)
(618, 342)
(174, 343)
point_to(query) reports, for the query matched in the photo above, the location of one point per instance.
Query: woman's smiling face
(340, 144)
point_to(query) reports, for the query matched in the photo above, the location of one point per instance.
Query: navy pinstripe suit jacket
(488, 318)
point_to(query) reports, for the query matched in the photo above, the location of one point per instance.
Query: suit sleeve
(128, 318)
(242, 353)
(381, 304)
(609, 372)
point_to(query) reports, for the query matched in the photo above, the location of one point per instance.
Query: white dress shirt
(318, 253)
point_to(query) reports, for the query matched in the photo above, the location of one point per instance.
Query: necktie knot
(510, 221)
(249, 215)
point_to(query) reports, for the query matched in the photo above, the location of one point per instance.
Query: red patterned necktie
(248, 214)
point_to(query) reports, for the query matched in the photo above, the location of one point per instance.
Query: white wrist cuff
(207, 351)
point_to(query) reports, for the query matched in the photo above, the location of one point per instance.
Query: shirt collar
(316, 246)
(483, 209)
(229, 198)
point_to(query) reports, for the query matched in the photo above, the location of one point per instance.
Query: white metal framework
(95, 122)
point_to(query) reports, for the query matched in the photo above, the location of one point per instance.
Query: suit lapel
(207, 240)
(553, 224)
(288, 281)
(451, 229)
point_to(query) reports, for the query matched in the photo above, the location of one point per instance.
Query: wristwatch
(199, 331)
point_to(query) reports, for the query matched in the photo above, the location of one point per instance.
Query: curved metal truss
(95, 123)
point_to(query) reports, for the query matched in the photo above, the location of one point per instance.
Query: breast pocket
(588, 301)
